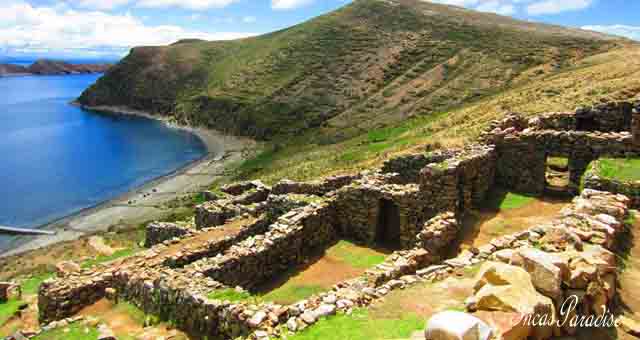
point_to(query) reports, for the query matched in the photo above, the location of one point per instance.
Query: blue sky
(99, 28)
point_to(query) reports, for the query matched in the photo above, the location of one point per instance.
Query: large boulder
(506, 288)
(588, 265)
(506, 326)
(451, 325)
(547, 270)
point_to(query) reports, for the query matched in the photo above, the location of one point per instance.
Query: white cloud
(196, 5)
(503, 7)
(289, 4)
(188, 4)
(101, 4)
(631, 32)
(497, 7)
(510, 7)
(557, 6)
(25, 28)
(249, 19)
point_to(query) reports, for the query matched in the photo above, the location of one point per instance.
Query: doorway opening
(586, 123)
(388, 229)
(558, 177)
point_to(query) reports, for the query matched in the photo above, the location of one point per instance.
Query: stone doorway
(388, 229)
(586, 123)
(558, 177)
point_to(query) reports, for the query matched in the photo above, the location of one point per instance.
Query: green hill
(367, 65)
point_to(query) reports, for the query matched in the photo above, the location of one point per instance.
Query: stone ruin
(251, 232)
(524, 145)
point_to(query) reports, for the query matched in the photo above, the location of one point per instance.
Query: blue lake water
(56, 159)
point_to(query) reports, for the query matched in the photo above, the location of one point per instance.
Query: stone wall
(605, 117)
(420, 195)
(276, 206)
(216, 213)
(408, 167)
(240, 188)
(216, 246)
(293, 239)
(554, 121)
(522, 154)
(319, 188)
(58, 299)
(460, 182)
(521, 165)
(158, 232)
(579, 242)
(593, 179)
(358, 210)
(438, 233)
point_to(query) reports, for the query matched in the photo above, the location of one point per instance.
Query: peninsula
(51, 67)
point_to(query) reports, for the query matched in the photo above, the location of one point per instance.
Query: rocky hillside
(51, 67)
(367, 65)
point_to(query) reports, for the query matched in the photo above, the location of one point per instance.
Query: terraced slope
(370, 64)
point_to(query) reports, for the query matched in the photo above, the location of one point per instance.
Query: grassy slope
(367, 65)
(627, 169)
(610, 75)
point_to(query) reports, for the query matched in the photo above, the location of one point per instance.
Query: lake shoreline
(144, 202)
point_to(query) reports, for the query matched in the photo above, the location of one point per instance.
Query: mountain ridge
(366, 65)
(52, 67)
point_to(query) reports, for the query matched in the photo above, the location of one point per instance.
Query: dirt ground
(426, 299)
(125, 323)
(318, 274)
(484, 225)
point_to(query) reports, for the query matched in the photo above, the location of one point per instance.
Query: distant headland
(51, 67)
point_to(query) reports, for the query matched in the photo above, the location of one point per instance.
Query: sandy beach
(148, 201)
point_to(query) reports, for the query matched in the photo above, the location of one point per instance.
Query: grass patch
(136, 314)
(75, 331)
(291, 293)
(359, 326)
(229, 294)
(622, 169)
(355, 256)
(514, 201)
(8, 309)
(501, 199)
(107, 258)
(31, 285)
(558, 162)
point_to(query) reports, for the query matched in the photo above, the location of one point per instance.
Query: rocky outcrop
(506, 288)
